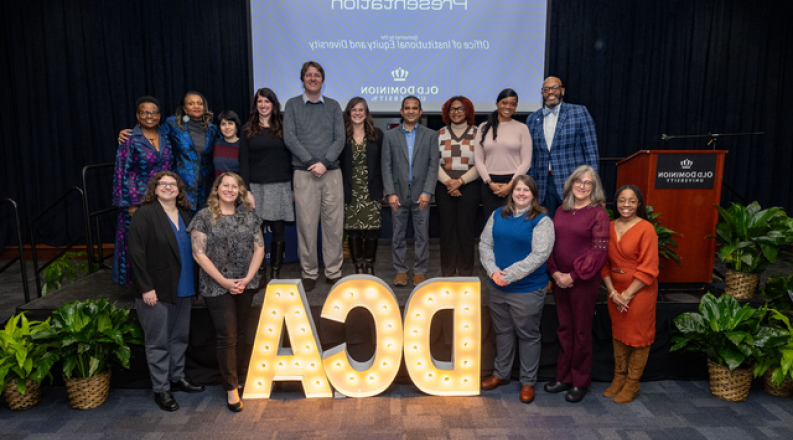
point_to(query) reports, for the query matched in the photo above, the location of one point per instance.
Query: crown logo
(400, 74)
(686, 164)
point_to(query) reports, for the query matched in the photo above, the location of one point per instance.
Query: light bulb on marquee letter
(460, 377)
(370, 378)
(285, 304)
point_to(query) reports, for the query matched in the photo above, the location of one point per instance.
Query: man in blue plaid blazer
(563, 138)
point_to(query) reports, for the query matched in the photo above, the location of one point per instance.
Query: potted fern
(750, 240)
(91, 335)
(731, 337)
(23, 362)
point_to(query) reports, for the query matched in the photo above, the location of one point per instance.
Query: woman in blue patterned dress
(142, 155)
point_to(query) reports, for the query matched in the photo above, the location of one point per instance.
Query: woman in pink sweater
(502, 150)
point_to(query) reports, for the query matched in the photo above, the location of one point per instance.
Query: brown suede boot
(636, 364)
(622, 353)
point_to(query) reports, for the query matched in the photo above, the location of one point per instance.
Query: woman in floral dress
(363, 184)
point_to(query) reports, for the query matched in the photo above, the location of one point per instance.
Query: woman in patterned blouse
(229, 246)
(456, 194)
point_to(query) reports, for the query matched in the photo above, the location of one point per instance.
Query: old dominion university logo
(396, 86)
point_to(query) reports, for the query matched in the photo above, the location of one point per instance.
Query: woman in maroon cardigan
(581, 225)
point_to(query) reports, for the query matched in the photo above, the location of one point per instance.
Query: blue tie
(547, 111)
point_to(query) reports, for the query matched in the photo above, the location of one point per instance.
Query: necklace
(626, 225)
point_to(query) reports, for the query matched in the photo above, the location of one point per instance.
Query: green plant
(778, 292)
(727, 333)
(751, 239)
(90, 334)
(780, 357)
(666, 240)
(665, 235)
(20, 357)
(66, 267)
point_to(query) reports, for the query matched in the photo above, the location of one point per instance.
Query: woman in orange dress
(630, 275)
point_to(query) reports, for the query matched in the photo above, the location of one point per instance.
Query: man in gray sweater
(314, 133)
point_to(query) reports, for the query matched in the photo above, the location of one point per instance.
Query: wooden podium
(684, 186)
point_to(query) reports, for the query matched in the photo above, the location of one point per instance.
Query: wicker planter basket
(741, 285)
(88, 392)
(732, 386)
(785, 389)
(16, 401)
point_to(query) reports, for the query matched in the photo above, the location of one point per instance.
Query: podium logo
(686, 164)
(400, 74)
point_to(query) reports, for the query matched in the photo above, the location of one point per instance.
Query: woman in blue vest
(515, 244)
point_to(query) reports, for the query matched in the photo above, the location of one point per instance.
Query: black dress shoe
(165, 401)
(235, 407)
(332, 280)
(575, 394)
(186, 386)
(309, 284)
(556, 387)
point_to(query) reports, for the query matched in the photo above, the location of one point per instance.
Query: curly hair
(368, 123)
(596, 197)
(535, 210)
(213, 201)
(206, 118)
(470, 114)
(151, 193)
(253, 127)
(641, 210)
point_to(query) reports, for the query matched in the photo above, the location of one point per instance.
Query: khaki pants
(319, 199)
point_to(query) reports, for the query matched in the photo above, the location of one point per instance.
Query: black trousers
(490, 201)
(277, 229)
(458, 226)
(229, 315)
(366, 234)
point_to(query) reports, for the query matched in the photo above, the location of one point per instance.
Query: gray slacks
(421, 236)
(517, 315)
(166, 328)
(319, 200)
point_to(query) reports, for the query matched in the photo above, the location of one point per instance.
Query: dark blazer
(372, 165)
(396, 168)
(156, 263)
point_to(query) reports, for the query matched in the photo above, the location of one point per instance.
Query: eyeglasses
(550, 89)
(456, 109)
(585, 183)
(166, 184)
(149, 113)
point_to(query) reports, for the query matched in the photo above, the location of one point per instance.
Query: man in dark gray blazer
(410, 159)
